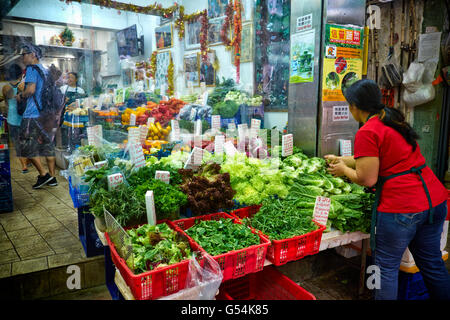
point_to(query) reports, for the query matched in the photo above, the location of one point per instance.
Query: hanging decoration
(170, 71)
(233, 12)
(152, 9)
(204, 35)
(153, 64)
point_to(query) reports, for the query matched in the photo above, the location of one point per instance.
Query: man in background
(33, 142)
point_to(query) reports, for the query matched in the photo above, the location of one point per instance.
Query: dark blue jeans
(396, 232)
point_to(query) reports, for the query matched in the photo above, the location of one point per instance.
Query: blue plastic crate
(6, 205)
(248, 113)
(88, 235)
(110, 271)
(411, 286)
(79, 195)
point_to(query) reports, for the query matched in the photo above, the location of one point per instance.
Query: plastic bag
(423, 95)
(202, 283)
(412, 79)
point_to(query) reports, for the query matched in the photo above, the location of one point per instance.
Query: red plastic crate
(238, 263)
(283, 251)
(157, 283)
(269, 284)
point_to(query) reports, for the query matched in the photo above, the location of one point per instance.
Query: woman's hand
(337, 168)
(331, 158)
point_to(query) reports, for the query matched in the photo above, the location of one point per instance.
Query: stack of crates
(411, 286)
(6, 199)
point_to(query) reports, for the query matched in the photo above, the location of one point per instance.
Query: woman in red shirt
(411, 203)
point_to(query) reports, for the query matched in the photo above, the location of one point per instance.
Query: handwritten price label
(215, 122)
(230, 149)
(232, 126)
(137, 155)
(163, 176)
(132, 119)
(218, 144)
(321, 210)
(114, 180)
(175, 129)
(287, 145)
(345, 147)
(150, 121)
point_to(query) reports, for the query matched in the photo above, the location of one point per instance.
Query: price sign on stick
(195, 158)
(137, 155)
(218, 143)
(132, 119)
(229, 148)
(133, 135)
(175, 129)
(287, 145)
(345, 147)
(163, 176)
(150, 121)
(114, 180)
(95, 135)
(198, 127)
(143, 130)
(321, 210)
(215, 122)
(232, 126)
(150, 206)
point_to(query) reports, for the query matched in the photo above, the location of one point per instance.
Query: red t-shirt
(403, 194)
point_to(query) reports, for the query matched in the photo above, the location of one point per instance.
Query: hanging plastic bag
(202, 283)
(412, 79)
(423, 95)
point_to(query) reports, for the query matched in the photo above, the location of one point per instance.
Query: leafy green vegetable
(226, 109)
(221, 236)
(168, 199)
(284, 219)
(157, 246)
(147, 172)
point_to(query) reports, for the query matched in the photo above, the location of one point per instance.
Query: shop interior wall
(425, 118)
(83, 16)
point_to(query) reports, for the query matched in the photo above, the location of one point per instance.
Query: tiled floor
(42, 231)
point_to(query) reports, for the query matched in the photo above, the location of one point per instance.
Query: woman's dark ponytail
(395, 119)
(366, 95)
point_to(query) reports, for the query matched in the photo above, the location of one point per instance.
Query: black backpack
(52, 102)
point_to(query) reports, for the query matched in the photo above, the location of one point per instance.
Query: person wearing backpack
(34, 142)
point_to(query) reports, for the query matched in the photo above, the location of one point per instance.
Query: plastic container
(87, 234)
(234, 264)
(268, 284)
(157, 283)
(411, 287)
(283, 251)
(79, 194)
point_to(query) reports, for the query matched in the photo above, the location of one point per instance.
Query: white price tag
(256, 124)
(95, 135)
(193, 113)
(215, 122)
(287, 145)
(150, 206)
(321, 210)
(114, 180)
(150, 121)
(133, 135)
(205, 98)
(345, 147)
(230, 149)
(163, 176)
(132, 119)
(137, 155)
(232, 126)
(175, 129)
(198, 127)
(219, 143)
(195, 158)
(100, 164)
(143, 131)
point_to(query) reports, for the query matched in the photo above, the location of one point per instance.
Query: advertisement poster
(302, 57)
(343, 60)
